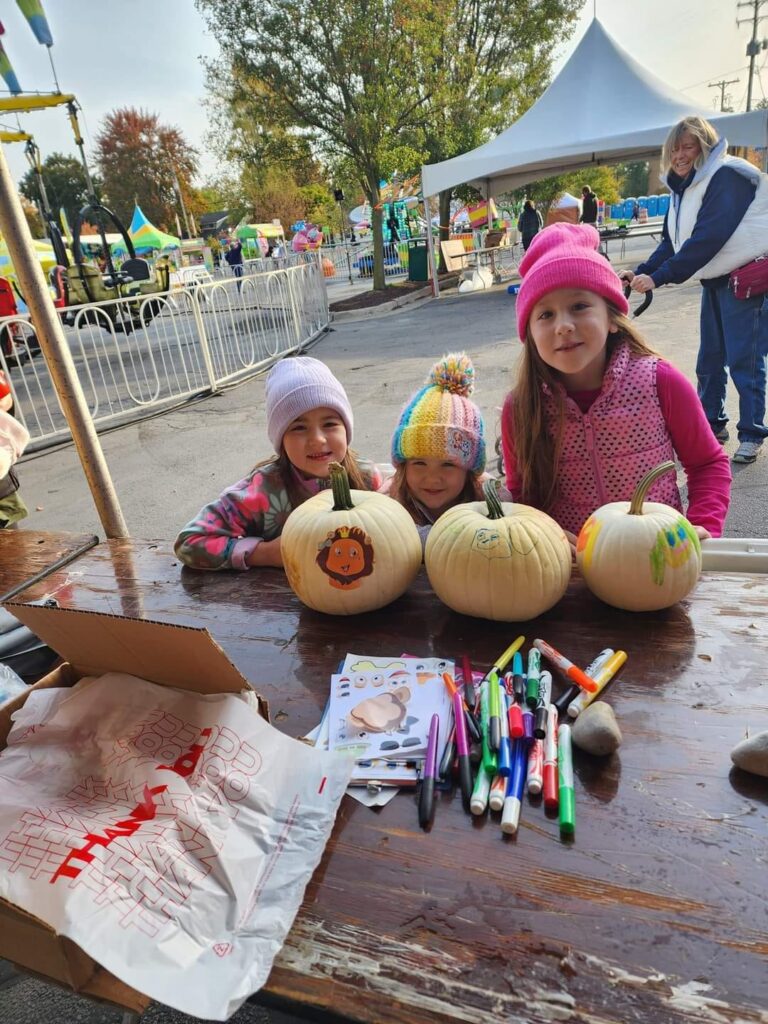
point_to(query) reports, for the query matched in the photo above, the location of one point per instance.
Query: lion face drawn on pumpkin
(346, 557)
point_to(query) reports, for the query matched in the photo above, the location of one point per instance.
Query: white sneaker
(747, 451)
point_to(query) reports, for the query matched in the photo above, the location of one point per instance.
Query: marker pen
(498, 793)
(427, 794)
(550, 760)
(540, 714)
(489, 757)
(536, 767)
(607, 671)
(462, 750)
(518, 678)
(481, 792)
(505, 750)
(566, 792)
(472, 724)
(527, 725)
(563, 701)
(514, 711)
(466, 678)
(532, 681)
(503, 659)
(494, 725)
(573, 672)
(449, 755)
(510, 818)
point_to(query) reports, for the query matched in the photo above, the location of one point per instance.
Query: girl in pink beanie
(309, 423)
(593, 407)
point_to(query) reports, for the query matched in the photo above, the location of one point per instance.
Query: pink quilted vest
(607, 450)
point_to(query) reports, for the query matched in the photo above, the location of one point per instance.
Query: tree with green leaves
(494, 62)
(343, 76)
(544, 192)
(65, 184)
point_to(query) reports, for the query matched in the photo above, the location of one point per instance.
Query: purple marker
(427, 794)
(462, 750)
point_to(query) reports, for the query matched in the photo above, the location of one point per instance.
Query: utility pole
(721, 85)
(755, 45)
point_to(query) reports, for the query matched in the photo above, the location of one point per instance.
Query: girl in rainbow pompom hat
(438, 448)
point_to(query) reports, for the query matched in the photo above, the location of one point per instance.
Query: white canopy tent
(603, 107)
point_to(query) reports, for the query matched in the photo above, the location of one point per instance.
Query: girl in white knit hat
(309, 422)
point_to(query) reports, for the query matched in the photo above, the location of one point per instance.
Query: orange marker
(573, 672)
(472, 725)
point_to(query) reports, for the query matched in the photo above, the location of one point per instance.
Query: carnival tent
(145, 236)
(603, 107)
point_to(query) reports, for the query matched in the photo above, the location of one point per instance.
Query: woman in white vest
(717, 222)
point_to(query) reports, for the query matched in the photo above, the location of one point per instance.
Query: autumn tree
(340, 74)
(65, 184)
(140, 160)
(603, 181)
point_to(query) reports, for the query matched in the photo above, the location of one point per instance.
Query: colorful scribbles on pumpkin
(585, 542)
(346, 557)
(489, 542)
(674, 547)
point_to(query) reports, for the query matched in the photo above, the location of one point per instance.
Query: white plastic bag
(170, 835)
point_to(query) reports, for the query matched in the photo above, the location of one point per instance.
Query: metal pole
(57, 355)
(430, 244)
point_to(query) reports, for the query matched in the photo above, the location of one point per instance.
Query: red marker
(573, 672)
(514, 712)
(551, 799)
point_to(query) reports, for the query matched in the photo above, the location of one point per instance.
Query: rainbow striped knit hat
(440, 421)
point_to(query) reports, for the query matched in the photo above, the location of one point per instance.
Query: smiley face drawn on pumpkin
(383, 713)
(488, 541)
(674, 546)
(346, 557)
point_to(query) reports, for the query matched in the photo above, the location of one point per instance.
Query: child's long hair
(538, 454)
(398, 489)
(292, 482)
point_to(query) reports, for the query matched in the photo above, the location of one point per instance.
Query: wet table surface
(655, 912)
(28, 554)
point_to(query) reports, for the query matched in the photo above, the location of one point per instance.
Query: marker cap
(510, 818)
(567, 811)
(550, 787)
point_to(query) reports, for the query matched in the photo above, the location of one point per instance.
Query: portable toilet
(642, 202)
(663, 204)
(629, 205)
(653, 206)
(617, 211)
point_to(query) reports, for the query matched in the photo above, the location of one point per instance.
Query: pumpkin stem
(342, 495)
(491, 495)
(636, 505)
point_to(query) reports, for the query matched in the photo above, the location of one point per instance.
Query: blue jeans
(734, 336)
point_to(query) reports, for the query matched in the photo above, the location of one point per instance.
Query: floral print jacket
(225, 532)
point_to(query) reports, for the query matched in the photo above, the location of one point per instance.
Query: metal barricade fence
(137, 356)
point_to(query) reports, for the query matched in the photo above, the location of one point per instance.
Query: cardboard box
(93, 643)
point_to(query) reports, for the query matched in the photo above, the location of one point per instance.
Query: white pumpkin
(506, 562)
(639, 555)
(347, 551)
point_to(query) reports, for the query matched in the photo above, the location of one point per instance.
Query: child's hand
(267, 553)
(701, 533)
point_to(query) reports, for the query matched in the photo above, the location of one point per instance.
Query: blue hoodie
(725, 202)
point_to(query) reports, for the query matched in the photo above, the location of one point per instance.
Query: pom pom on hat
(440, 421)
(565, 256)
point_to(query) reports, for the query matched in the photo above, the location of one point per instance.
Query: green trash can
(418, 263)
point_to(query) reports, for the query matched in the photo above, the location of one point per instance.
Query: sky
(147, 54)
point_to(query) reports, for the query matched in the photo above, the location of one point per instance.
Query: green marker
(489, 758)
(481, 792)
(534, 674)
(494, 711)
(565, 775)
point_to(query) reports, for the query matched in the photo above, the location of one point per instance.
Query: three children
(593, 408)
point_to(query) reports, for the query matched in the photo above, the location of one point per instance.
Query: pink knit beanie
(297, 385)
(565, 256)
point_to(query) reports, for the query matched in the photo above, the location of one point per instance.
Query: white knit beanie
(296, 385)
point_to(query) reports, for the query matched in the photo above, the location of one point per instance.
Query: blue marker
(510, 817)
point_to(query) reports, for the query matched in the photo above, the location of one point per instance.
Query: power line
(721, 85)
(754, 46)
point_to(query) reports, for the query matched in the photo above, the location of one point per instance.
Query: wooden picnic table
(27, 556)
(655, 912)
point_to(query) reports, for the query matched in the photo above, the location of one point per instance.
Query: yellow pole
(57, 355)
